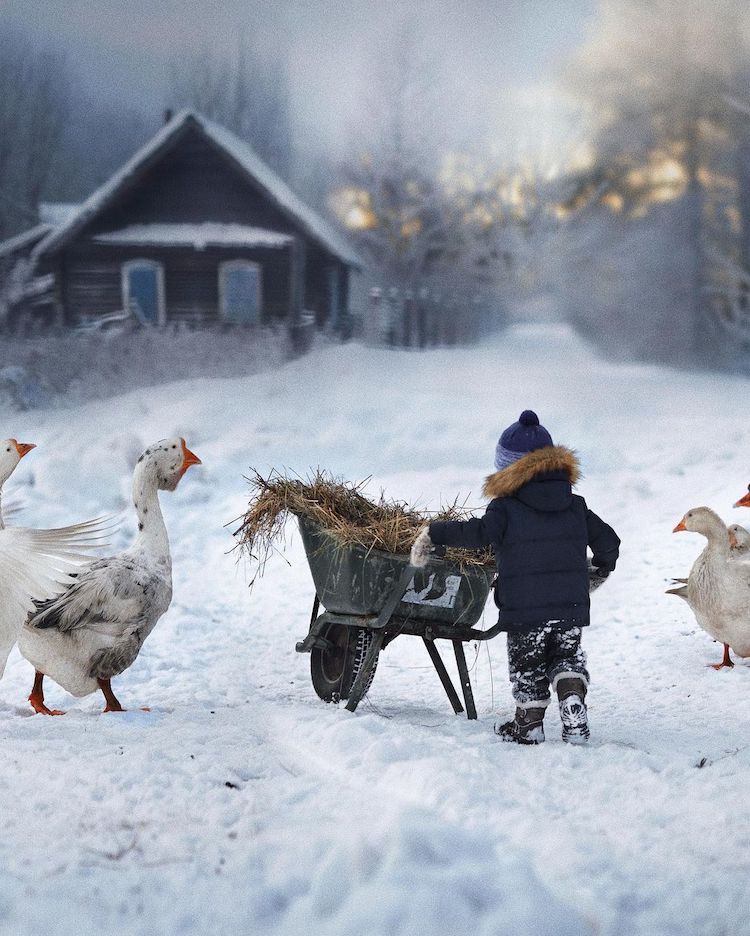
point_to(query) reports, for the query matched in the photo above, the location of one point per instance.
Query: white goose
(11, 453)
(739, 542)
(739, 550)
(718, 587)
(96, 628)
(35, 564)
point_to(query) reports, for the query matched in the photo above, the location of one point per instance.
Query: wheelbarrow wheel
(334, 668)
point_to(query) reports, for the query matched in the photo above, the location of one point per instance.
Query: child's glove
(420, 551)
(597, 576)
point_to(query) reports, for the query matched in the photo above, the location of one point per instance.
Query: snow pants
(538, 658)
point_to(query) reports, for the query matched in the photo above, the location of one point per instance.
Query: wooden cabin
(195, 228)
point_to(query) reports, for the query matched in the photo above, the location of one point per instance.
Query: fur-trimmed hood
(551, 458)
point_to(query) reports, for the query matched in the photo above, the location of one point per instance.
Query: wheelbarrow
(370, 598)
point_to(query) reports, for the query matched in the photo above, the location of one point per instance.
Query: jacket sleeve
(477, 533)
(604, 542)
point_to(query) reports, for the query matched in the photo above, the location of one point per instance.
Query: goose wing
(10, 508)
(35, 564)
(113, 596)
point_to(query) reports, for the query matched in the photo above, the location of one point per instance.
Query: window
(143, 291)
(240, 292)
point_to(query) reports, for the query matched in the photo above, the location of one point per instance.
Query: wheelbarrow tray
(354, 580)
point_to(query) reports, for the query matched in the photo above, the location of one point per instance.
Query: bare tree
(392, 169)
(663, 182)
(35, 94)
(246, 90)
(424, 246)
(99, 138)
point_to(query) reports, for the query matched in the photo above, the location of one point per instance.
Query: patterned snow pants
(538, 658)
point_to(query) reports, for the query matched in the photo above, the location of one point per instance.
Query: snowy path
(241, 804)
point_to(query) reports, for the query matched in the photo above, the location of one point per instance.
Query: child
(539, 531)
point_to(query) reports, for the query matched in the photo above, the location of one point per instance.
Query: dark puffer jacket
(540, 532)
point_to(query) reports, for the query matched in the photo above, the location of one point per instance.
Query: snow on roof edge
(241, 153)
(200, 234)
(57, 213)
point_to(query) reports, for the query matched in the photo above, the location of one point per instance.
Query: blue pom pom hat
(520, 438)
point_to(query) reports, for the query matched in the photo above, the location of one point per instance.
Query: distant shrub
(63, 368)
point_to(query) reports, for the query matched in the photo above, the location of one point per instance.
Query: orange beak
(188, 458)
(744, 501)
(23, 448)
(680, 527)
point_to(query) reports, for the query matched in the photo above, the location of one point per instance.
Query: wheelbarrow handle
(394, 599)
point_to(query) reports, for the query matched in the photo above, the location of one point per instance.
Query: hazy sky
(486, 48)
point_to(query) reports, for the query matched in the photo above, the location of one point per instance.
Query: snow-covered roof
(28, 238)
(239, 152)
(57, 213)
(199, 236)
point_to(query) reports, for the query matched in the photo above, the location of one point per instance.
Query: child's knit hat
(520, 438)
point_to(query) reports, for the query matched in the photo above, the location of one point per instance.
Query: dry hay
(343, 511)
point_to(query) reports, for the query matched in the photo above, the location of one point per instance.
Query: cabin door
(240, 292)
(143, 291)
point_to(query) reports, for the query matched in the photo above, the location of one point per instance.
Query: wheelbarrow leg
(358, 689)
(443, 674)
(463, 672)
(304, 646)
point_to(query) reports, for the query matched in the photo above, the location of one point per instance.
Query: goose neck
(3, 478)
(718, 542)
(152, 531)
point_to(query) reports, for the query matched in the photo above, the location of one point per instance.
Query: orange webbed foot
(41, 709)
(113, 703)
(726, 661)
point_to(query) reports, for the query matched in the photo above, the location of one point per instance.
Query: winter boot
(571, 693)
(526, 728)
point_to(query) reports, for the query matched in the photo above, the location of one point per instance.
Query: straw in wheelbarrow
(342, 509)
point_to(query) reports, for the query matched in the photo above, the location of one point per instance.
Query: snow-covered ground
(241, 804)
